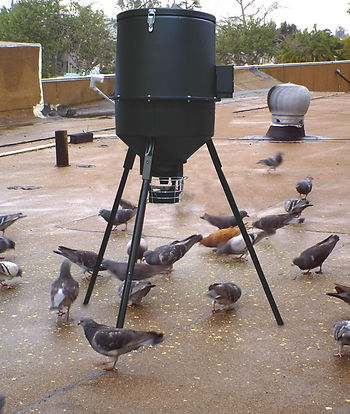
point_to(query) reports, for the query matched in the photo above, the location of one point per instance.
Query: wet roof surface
(239, 361)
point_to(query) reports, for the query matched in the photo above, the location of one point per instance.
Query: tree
(246, 43)
(314, 46)
(88, 37)
(188, 5)
(137, 4)
(346, 48)
(75, 29)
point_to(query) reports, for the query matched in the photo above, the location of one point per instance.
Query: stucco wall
(20, 78)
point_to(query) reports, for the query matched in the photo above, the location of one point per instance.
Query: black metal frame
(146, 179)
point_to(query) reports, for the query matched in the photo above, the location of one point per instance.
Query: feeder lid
(167, 12)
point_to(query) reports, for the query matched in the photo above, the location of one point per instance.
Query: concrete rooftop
(237, 362)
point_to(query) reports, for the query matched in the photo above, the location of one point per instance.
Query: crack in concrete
(59, 391)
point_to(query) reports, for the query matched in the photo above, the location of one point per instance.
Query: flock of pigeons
(113, 342)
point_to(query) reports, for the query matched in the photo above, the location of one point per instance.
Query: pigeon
(113, 342)
(342, 292)
(172, 252)
(315, 255)
(141, 270)
(304, 187)
(6, 244)
(224, 294)
(273, 222)
(138, 290)
(2, 402)
(9, 270)
(7, 220)
(341, 332)
(221, 236)
(125, 212)
(237, 245)
(83, 258)
(223, 222)
(296, 206)
(64, 290)
(272, 162)
(143, 246)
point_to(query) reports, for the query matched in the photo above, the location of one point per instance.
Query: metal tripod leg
(235, 211)
(128, 164)
(146, 178)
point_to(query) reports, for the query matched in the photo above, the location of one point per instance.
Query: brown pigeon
(221, 236)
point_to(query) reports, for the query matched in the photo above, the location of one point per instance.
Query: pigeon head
(150, 257)
(243, 214)
(302, 262)
(87, 322)
(19, 273)
(11, 244)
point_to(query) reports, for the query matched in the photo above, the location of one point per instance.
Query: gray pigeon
(315, 255)
(83, 258)
(304, 186)
(64, 290)
(113, 342)
(172, 252)
(125, 212)
(2, 402)
(296, 206)
(273, 222)
(141, 270)
(236, 245)
(9, 270)
(272, 162)
(7, 220)
(341, 332)
(138, 290)
(342, 292)
(223, 222)
(225, 294)
(6, 244)
(143, 246)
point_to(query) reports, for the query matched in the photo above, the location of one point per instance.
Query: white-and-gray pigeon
(223, 222)
(9, 270)
(170, 253)
(125, 212)
(237, 246)
(64, 290)
(315, 255)
(141, 270)
(138, 290)
(7, 220)
(85, 259)
(341, 332)
(113, 342)
(143, 246)
(304, 187)
(295, 206)
(6, 244)
(225, 294)
(272, 162)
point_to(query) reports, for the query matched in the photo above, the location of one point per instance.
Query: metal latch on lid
(151, 19)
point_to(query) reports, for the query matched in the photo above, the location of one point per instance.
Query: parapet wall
(20, 78)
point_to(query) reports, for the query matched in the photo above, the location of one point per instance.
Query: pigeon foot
(6, 285)
(339, 355)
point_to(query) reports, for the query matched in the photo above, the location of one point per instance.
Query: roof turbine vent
(288, 103)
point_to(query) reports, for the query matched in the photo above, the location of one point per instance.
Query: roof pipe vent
(288, 103)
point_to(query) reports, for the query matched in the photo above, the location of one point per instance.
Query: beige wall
(20, 78)
(315, 76)
(75, 90)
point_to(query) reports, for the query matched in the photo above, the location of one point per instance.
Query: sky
(327, 14)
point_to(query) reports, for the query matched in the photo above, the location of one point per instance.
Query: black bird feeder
(167, 83)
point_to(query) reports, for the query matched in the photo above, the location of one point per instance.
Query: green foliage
(137, 4)
(314, 46)
(245, 43)
(75, 29)
(346, 48)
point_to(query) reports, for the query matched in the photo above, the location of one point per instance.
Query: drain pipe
(98, 78)
(337, 71)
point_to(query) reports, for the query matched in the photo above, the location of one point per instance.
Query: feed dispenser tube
(165, 93)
